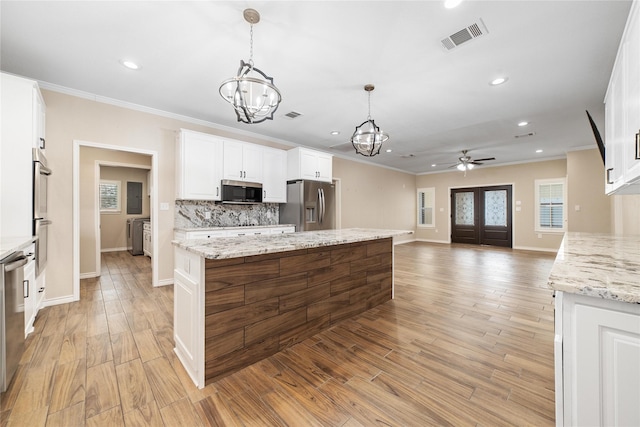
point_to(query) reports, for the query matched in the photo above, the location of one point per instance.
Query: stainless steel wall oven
(41, 174)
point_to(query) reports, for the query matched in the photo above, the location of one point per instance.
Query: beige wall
(521, 176)
(374, 197)
(625, 214)
(113, 230)
(71, 118)
(585, 184)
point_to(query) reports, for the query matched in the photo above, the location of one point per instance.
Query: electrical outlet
(207, 215)
(539, 235)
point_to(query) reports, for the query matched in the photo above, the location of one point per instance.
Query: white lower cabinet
(147, 245)
(597, 361)
(29, 290)
(188, 313)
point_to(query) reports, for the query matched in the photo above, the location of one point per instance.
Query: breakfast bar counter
(238, 300)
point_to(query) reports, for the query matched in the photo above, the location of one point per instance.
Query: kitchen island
(238, 300)
(596, 278)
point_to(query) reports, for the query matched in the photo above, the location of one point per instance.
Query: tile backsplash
(192, 214)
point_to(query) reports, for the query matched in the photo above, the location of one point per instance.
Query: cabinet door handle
(25, 284)
(609, 176)
(217, 191)
(41, 290)
(42, 142)
(638, 145)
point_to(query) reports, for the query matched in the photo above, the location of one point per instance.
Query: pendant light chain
(251, 45)
(369, 116)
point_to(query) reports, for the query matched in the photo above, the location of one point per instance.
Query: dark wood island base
(258, 305)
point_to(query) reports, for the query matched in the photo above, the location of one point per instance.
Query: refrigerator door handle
(322, 205)
(319, 205)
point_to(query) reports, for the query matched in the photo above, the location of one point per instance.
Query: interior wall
(375, 197)
(371, 196)
(625, 214)
(88, 188)
(72, 118)
(113, 227)
(521, 176)
(589, 208)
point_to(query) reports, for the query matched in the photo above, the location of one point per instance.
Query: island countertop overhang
(244, 246)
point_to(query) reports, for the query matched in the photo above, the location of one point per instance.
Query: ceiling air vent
(293, 114)
(471, 32)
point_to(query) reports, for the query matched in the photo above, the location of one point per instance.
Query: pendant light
(368, 138)
(252, 93)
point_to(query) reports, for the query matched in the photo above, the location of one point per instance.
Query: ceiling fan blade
(475, 162)
(483, 160)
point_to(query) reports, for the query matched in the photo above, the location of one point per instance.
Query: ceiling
(433, 102)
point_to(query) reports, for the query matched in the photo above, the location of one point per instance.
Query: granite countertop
(230, 228)
(599, 265)
(234, 247)
(12, 244)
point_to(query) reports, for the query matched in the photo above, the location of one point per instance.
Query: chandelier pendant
(251, 92)
(368, 137)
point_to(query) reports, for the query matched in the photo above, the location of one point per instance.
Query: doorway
(77, 145)
(482, 216)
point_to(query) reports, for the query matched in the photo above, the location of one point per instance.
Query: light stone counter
(8, 245)
(598, 265)
(187, 229)
(234, 247)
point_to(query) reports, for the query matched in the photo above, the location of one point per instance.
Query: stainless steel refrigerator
(311, 205)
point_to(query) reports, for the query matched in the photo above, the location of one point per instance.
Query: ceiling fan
(465, 162)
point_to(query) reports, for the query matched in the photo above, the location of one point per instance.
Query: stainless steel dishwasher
(12, 295)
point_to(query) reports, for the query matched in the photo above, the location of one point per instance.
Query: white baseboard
(531, 248)
(433, 241)
(48, 302)
(90, 275)
(165, 282)
(114, 250)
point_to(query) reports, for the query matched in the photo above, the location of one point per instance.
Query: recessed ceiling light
(538, 151)
(335, 132)
(498, 81)
(433, 165)
(450, 4)
(389, 150)
(523, 123)
(129, 64)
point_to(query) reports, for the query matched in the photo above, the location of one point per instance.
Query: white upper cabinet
(274, 169)
(242, 161)
(622, 113)
(39, 115)
(304, 163)
(198, 166)
(19, 124)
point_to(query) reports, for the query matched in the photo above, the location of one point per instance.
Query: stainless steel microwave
(241, 192)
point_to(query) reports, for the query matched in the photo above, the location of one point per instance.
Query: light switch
(518, 202)
(577, 208)
(518, 208)
(164, 206)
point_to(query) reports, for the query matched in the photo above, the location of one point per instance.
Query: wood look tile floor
(467, 341)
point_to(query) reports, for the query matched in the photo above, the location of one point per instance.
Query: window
(550, 204)
(109, 196)
(426, 203)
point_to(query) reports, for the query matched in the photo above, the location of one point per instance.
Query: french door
(482, 215)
